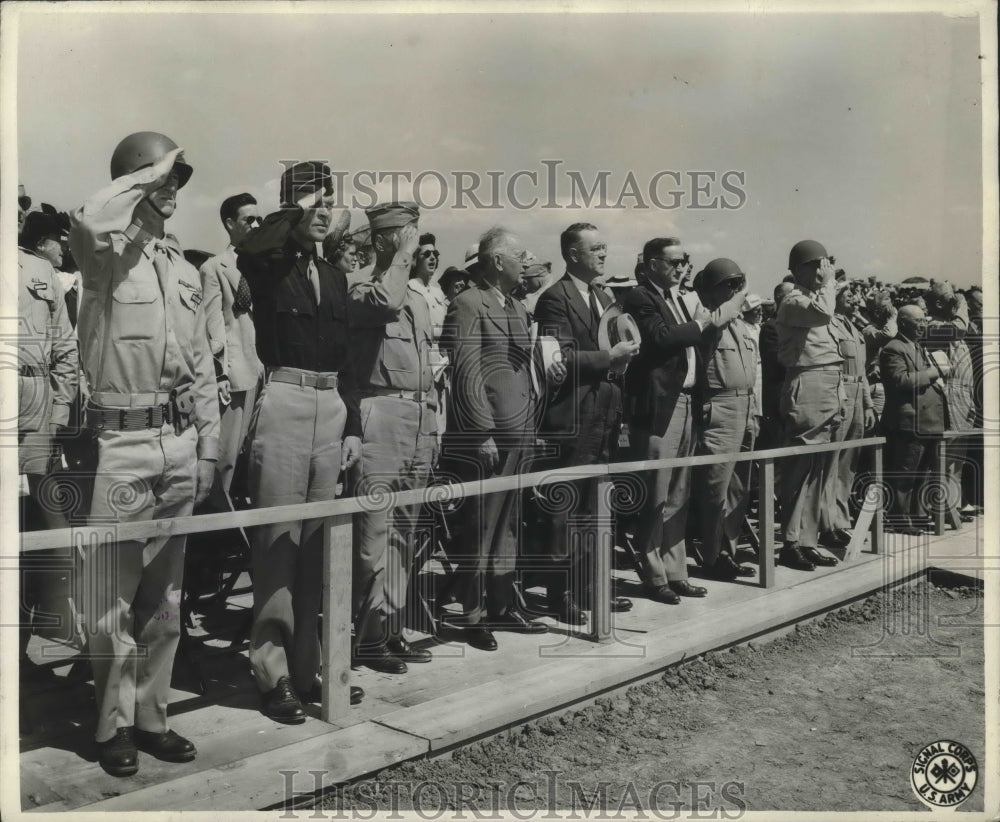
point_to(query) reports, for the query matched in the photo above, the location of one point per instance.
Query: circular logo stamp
(944, 774)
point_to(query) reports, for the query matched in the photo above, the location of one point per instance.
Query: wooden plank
(938, 475)
(40, 540)
(458, 718)
(863, 525)
(601, 571)
(337, 560)
(765, 522)
(878, 520)
(257, 781)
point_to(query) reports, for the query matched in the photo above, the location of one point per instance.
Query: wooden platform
(462, 695)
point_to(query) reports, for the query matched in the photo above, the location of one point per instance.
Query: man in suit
(231, 336)
(495, 389)
(660, 385)
(583, 417)
(915, 411)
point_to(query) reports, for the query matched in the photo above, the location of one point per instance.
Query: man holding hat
(727, 371)
(394, 344)
(811, 399)
(154, 408)
(305, 430)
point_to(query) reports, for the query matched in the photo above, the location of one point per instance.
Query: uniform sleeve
(552, 318)
(206, 396)
(109, 210)
(463, 333)
(379, 302)
(211, 294)
(808, 312)
(64, 368)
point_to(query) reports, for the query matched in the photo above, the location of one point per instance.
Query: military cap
(805, 251)
(305, 178)
(718, 271)
(752, 301)
(471, 257)
(392, 215)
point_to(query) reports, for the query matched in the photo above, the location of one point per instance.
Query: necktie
(595, 304)
(313, 272)
(161, 263)
(71, 301)
(241, 300)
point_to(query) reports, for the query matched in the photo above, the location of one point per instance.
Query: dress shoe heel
(816, 558)
(791, 557)
(401, 649)
(479, 637)
(379, 659)
(684, 588)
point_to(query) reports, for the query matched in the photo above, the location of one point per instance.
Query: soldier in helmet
(154, 409)
(812, 398)
(726, 375)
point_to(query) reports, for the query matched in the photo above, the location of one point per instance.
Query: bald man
(915, 412)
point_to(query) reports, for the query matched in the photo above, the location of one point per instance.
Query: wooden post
(337, 556)
(942, 481)
(601, 568)
(765, 522)
(878, 520)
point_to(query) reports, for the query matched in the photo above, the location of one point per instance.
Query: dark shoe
(517, 622)
(568, 611)
(619, 605)
(816, 558)
(663, 593)
(168, 746)
(282, 705)
(118, 755)
(791, 557)
(966, 517)
(315, 693)
(481, 638)
(905, 530)
(379, 659)
(727, 569)
(401, 649)
(836, 539)
(684, 588)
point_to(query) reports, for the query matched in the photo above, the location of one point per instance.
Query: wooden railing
(338, 548)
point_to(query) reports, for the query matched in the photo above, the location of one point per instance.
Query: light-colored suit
(231, 337)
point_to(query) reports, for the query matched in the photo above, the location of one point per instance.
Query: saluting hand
(406, 239)
(163, 168)
(351, 452)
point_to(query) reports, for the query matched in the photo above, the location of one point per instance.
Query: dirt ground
(828, 717)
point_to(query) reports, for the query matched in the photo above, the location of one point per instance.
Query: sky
(862, 131)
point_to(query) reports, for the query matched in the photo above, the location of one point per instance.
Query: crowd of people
(287, 370)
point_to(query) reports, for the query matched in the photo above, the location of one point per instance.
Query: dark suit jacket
(772, 371)
(492, 393)
(912, 403)
(655, 376)
(586, 399)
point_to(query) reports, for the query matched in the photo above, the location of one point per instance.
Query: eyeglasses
(430, 252)
(521, 258)
(251, 222)
(675, 263)
(597, 248)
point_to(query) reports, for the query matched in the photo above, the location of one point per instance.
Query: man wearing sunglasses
(231, 336)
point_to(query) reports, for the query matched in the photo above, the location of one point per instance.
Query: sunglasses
(430, 252)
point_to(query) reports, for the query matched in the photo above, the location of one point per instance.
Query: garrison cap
(392, 215)
(40, 224)
(304, 178)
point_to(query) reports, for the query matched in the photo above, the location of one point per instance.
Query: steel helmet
(805, 251)
(716, 272)
(143, 149)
